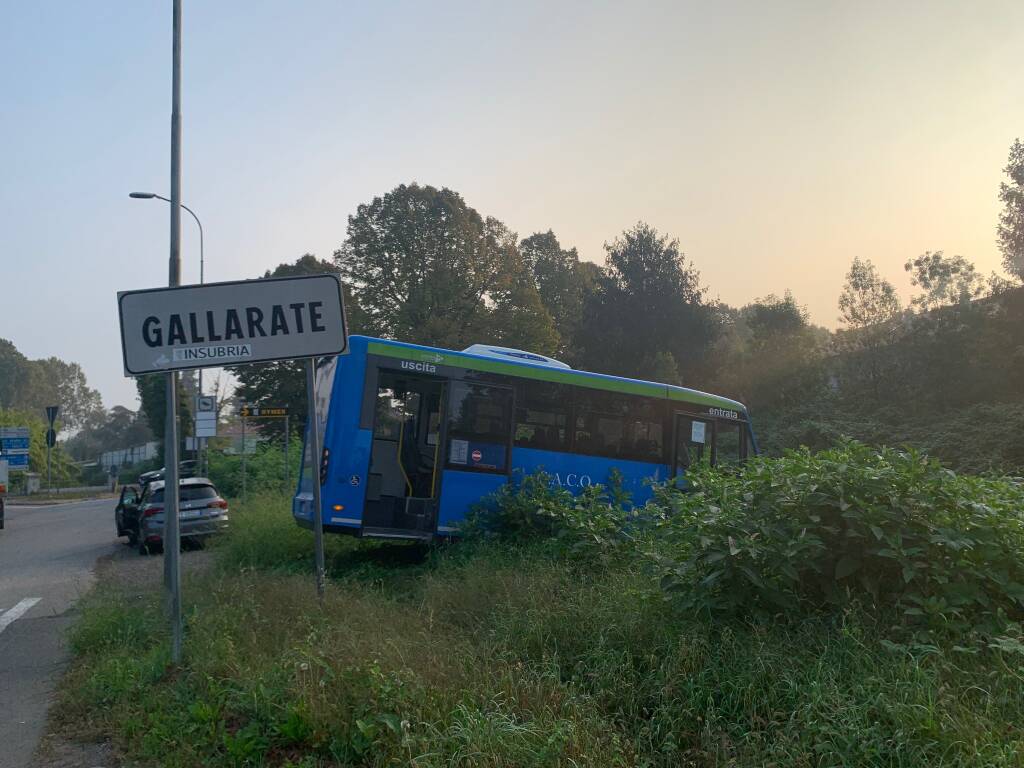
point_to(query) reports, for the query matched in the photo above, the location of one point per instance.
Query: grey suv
(140, 517)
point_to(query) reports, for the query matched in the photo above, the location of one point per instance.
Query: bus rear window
(188, 493)
(479, 427)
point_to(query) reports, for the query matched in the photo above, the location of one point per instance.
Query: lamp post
(154, 196)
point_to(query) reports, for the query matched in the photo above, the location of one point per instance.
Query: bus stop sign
(217, 324)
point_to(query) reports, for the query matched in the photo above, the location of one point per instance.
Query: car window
(188, 493)
(197, 492)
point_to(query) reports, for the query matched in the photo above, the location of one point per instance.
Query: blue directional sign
(14, 444)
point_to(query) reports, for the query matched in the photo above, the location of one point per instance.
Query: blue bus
(414, 436)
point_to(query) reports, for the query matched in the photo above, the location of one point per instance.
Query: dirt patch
(127, 570)
(56, 752)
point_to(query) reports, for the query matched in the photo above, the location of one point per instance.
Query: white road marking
(9, 617)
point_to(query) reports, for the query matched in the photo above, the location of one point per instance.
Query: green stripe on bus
(557, 375)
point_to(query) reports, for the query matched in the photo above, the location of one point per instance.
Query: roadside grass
(493, 654)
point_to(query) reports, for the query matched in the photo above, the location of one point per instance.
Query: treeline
(85, 427)
(945, 372)
(32, 385)
(421, 265)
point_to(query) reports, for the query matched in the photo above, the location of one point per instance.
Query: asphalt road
(47, 555)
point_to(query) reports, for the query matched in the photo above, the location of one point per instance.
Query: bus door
(477, 450)
(404, 477)
(694, 439)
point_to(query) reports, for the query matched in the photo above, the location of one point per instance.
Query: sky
(775, 140)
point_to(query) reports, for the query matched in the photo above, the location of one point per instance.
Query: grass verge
(482, 654)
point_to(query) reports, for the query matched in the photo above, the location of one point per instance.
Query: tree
(427, 268)
(769, 356)
(14, 383)
(944, 280)
(1010, 231)
(520, 320)
(55, 382)
(867, 299)
(152, 390)
(560, 283)
(117, 428)
(869, 369)
(284, 382)
(648, 301)
(32, 385)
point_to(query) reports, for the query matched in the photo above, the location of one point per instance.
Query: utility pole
(51, 440)
(172, 533)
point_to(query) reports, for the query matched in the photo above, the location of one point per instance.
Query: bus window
(693, 440)
(542, 416)
(618, 426)
(728, 443)
(479, 427)
(392, 410)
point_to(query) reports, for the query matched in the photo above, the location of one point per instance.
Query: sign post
(205, 424)
(315, 477)
(51, 440)
(165, 330)
(244, 456)
(3, 489)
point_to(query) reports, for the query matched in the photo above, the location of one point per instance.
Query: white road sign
(248, 321)
(206, 424)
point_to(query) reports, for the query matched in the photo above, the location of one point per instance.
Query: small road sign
(14, 445)
(264, 411)
(247, 321)
(51, 413)
(206, 424)
(51, 438)
(206, 404)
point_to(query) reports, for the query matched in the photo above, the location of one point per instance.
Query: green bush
(594, 523)
(889, 528)
(264, 470)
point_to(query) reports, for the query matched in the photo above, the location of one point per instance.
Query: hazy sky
(776, 140)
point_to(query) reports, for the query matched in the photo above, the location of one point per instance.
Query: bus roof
(528, 370)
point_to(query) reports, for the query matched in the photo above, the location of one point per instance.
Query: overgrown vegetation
(265, 469)
(891, 530)
(550, 636)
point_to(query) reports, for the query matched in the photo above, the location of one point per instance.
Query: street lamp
(154, 195)
(151, 196)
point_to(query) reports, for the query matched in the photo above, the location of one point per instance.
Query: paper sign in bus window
(697, 432)
(459, 453)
